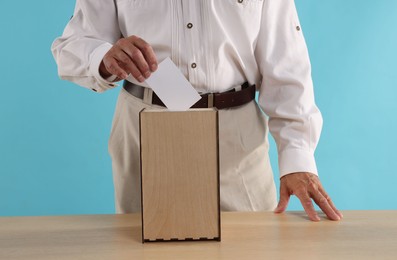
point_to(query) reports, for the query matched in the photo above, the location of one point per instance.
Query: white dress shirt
(217, 44)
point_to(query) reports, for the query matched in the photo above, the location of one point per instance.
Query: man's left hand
(306, 186)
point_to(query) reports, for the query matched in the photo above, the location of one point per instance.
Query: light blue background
(53, 134)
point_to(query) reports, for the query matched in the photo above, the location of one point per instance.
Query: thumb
(284, 199)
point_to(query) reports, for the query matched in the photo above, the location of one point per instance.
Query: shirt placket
(207, 44)
(191, 44)
(176, 33)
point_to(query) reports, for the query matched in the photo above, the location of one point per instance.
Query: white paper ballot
(172, 87)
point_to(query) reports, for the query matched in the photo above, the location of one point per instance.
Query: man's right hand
(130, 55)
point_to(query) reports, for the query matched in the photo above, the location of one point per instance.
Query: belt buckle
(210, 100)
(147, 96)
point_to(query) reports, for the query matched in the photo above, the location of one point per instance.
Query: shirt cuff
(95, 61)
(296, 160)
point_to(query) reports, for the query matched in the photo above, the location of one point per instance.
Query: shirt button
(194, 65)
(240, 1)
(298, 28)
(189, 25)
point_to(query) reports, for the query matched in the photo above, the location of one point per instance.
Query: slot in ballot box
(180, 175)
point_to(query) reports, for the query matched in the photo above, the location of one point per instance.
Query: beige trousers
(246, 177)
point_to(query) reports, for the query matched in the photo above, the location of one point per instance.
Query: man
(218, 45)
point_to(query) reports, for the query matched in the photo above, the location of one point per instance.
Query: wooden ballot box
(180, 175)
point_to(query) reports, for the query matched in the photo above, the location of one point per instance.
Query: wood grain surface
(256, 235)
(180, 174)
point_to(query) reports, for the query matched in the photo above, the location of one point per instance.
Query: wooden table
(260, 235)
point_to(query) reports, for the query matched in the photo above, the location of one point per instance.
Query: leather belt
(222, 100)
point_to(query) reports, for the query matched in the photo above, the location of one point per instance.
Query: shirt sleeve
(88, 36)
(286, 91)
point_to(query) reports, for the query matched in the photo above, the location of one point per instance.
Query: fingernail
(153, 67)
(147, 74)
(141, 79)
(317, 218)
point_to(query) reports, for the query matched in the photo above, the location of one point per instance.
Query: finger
(284, 199)
(147, 52)
(307, 204)
(322, 202)
(129, 66)
(135, 55)
(330, 202)
(114, 68)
